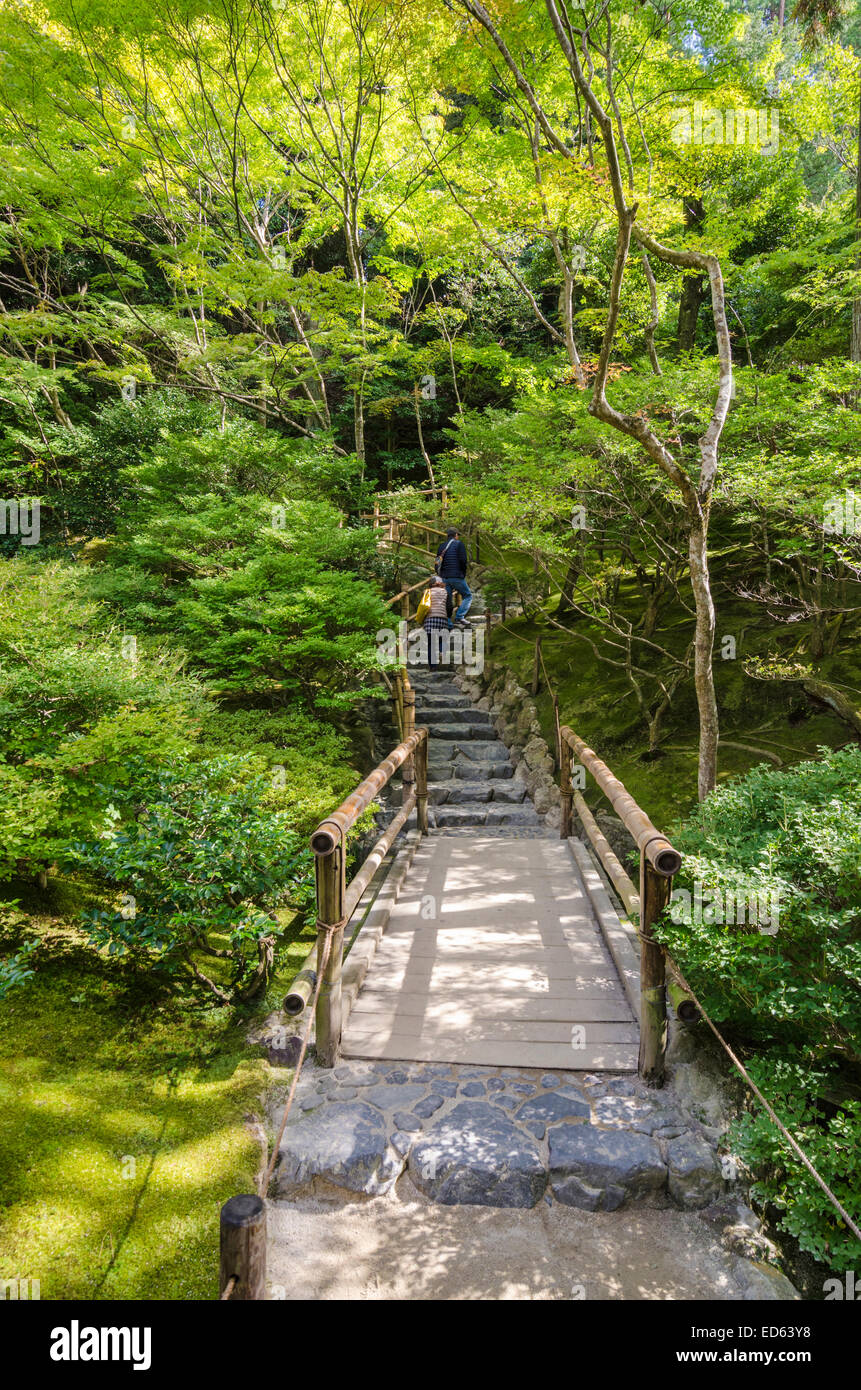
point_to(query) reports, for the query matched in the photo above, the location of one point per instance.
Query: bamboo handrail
(402, 520)
(377, 855)
(615, 871)
(660, 853)
(659, 861)
(420, 584)
(336, 900)
(338, 825)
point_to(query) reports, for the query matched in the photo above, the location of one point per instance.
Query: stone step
(460, 770)
(478, 750)
(438, 687)
(439, 793)
(482, 813)
(441, 716)
(453, 792)
(479, 726)
(431, 700)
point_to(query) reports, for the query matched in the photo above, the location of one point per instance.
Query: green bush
(791, 995)
(200, 869)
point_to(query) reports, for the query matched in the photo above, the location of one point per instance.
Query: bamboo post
(655, 892)
(409, 768)
(243, 1249)
(422, 786)
(566, 789)
(331, 889)
(536, 668)
(399, 704)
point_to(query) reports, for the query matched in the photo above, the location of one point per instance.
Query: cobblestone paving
(497, 1137)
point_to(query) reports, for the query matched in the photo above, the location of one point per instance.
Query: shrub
(200, 869)
(792, 996)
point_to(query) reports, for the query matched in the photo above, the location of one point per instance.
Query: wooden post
(655, 891)
(409, 768)
(566, 789)
(444, 499)
(331, 888)
(243, 1249)
(478, 547)
(488, 620)
(536, 668)
(422, 786)
(376, 515)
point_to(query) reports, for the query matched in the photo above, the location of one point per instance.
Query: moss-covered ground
(122, 1120)
(761, 721)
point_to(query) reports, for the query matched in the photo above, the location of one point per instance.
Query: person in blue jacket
(451, 566)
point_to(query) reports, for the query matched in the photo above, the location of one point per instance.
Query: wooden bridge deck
(492, 956)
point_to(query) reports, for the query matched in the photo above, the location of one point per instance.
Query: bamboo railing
(659, 861)
(336, 899)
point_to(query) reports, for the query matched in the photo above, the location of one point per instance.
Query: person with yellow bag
(433, 613)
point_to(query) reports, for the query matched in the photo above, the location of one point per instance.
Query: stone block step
(440, 792)
(445, 716)
(462, 770)
(432, 701)
(478, 726)
(454, 790)
(464, 748)
(484, 813)
(433, 684)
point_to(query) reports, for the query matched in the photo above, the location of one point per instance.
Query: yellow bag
(424, 607)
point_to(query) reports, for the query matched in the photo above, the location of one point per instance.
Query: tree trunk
(566, 596)
(703, 647)
(359, 429)
(855, 345)
(693, 286)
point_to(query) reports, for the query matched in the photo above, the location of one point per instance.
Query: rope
(775, 1119)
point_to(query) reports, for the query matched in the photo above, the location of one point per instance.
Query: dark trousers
(460, 587)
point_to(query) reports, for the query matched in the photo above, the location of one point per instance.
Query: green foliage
(790, 837)
(201, 867)
(267, 597)
(829, 1135)
(793, 835)
(16, 969)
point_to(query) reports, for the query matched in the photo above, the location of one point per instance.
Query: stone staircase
(471, 779)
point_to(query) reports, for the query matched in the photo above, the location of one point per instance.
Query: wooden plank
(549, 1056)
(488, 1030)
(564, 1009)
(511, 964)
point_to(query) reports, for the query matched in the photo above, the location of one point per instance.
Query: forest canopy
(595, 269)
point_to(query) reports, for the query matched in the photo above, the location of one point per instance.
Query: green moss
(774, 721)
(121, 1131)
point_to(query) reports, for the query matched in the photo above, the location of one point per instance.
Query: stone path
(471, 778)
(502, 1137)
(429, 1181)
(402, 1247)
(492, 955)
